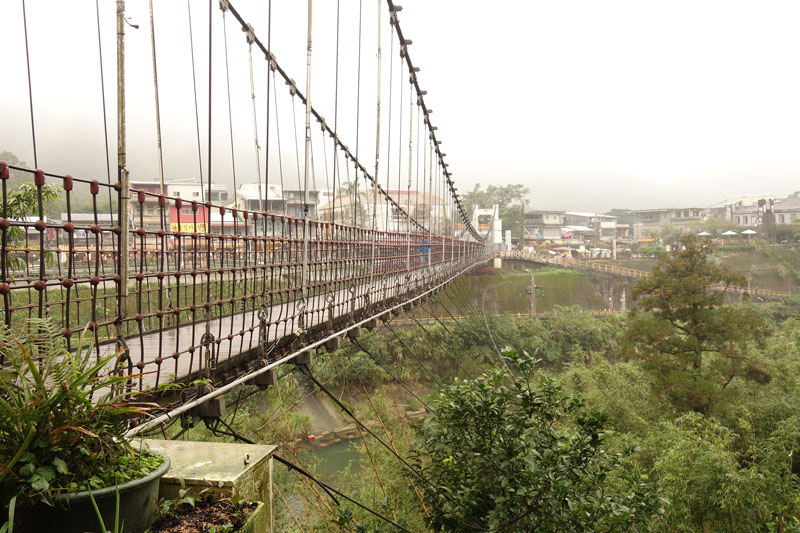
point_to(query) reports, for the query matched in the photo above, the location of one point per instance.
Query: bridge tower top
(488, 221)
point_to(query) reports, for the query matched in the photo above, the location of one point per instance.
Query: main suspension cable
(412, 70)
(320, 119)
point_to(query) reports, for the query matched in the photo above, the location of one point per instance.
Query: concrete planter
(74, 513)
(258, 520)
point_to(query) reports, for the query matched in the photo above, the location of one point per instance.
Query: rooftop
(589, 215)
(744, 201)
(663, 209)
(87, 217)
(180, 181)
(784, 204)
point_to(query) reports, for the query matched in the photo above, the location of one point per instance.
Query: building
(726, 208)
(785, 211)
(624, 216)
(650, 222)
(195, 191)
(83, 236)
(147, 213)
(275, 200)
(591, 226)
(577, 234)
(543, 225)
(426, 208)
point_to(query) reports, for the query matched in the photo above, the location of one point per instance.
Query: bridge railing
(237, 278)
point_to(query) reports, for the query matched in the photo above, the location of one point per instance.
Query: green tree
(15, 177)
(671, 235)
(21, 202)
(509, 198)
(21, 183)
(519, 455)
(693, 345)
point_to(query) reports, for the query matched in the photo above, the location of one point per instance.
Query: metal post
(123, 209)
(377, 160)
(306, 227)
(408, 187)
(533, 294)
(429, 206)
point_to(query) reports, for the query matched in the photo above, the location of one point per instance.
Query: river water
(332, 459)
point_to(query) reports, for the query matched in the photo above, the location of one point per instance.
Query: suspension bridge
(179, 288)
(617, 270)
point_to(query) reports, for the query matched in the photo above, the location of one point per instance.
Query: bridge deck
(180, 353)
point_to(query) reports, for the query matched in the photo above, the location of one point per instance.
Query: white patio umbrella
(729, 233)
(704, 234)
(749, 232)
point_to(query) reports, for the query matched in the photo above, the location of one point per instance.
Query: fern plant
(62, 418)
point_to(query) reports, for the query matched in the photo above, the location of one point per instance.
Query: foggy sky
(592, 105)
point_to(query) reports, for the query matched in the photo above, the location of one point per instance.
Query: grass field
(506, 292)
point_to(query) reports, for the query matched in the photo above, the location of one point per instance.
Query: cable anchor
(210, 353)
(250, 33)
(330, 300)
(123, 365)
(262, 331)
(301, 311)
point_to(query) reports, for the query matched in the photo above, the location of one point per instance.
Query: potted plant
(63, 415)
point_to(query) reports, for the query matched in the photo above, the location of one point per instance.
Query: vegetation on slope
(607, 424)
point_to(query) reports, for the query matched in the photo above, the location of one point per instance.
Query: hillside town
(734, 218)
(739, 217)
